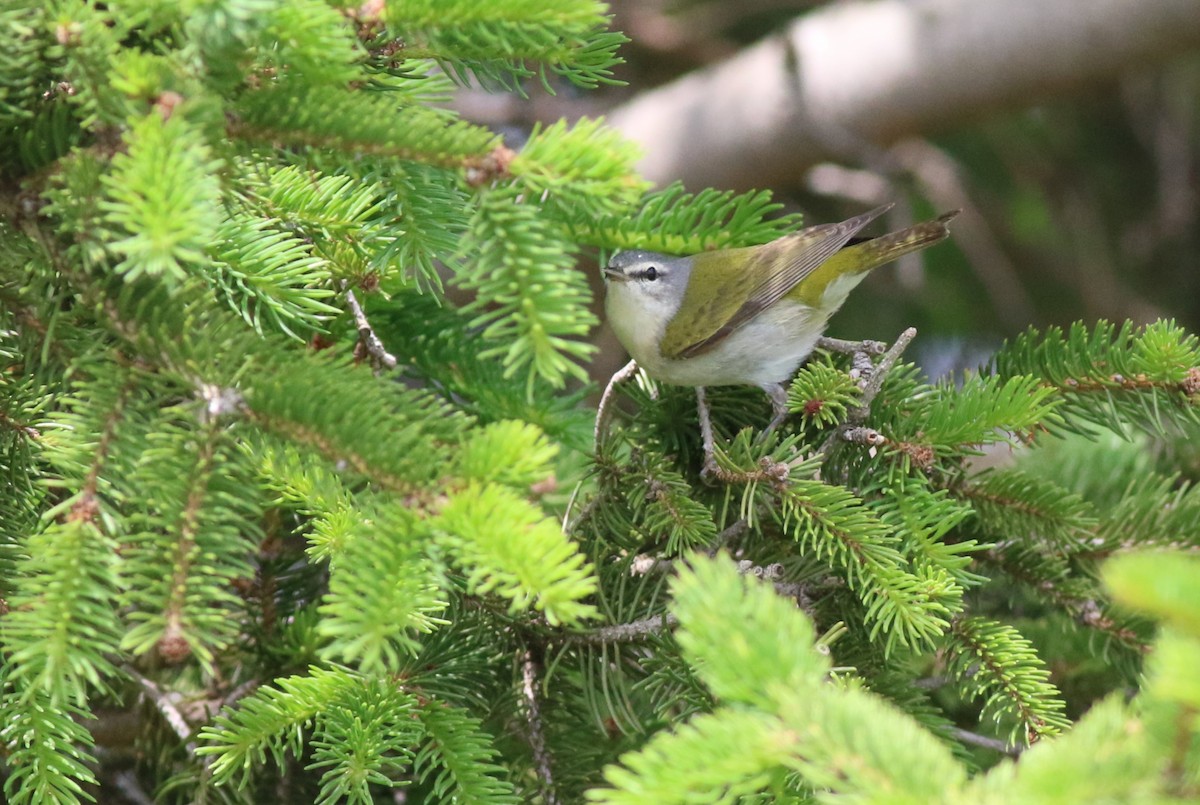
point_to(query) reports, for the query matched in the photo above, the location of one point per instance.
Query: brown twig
(995, 744)
(870, 384)
(851, 347)
(530, 670)
(166, 708)
(370, 341)
(626, 632)
(645, 628)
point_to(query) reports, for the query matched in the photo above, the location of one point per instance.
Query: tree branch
(995, 744)
(531, 704)
(166, 708)
(870, 382)
(886, 70)
(366, 334)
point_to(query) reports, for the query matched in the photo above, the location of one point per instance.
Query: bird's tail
(874, 252)
(856, 259)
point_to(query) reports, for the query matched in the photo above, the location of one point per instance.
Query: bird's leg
(778, 395)
(602, 411)
(710, 468)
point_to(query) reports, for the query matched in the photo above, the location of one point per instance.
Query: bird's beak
(614, 275)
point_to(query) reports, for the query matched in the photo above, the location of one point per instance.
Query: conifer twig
(126, 782)
(975, 739)
(530, 667)
(710, 469)
(870, 384)
(166, 708)
(874, 383)
(366, 334)
(648, 563)
(626, 632)
(850, 347)
(633, 631)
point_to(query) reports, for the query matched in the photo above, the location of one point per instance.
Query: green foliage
(271, 275)
(162, 199)
(543, 569)
(356, 724)
(675, 222)
(333, 529)
(1112, 376)
(1040, 510)
(46, 747)
(381, 596)
(663, 504)
(993, 662)
(528, 299)
(457, 758)
(830, 523)
(1095, 762)
(771, 646)
(716, 757)
(1150, 583)
(62, 632)
(199, 524)
(976, 411)
(756, 652)
(585, 169)
(821, 393)
(567, 40)
(509, 452)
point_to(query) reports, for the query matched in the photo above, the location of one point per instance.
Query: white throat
(639, 321)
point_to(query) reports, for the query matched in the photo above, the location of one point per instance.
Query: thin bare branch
(626, 632)
(535, 731)
(366, 334)
(995, 744)
(166, 708)
(870, 382)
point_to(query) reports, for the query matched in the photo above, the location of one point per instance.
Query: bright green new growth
(327, 531)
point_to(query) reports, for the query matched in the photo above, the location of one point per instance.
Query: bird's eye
(651, 274)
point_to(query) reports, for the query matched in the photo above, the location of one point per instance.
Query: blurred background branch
(884, 70)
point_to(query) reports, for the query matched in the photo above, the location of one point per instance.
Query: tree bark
(875, 72)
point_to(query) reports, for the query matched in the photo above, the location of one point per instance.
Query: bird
(747, 315)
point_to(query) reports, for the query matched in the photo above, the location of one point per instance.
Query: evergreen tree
(282, 523)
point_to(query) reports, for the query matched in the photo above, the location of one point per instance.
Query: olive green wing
(721, 307)
(716, 290)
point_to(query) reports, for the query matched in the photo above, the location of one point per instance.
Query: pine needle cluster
(281, 519)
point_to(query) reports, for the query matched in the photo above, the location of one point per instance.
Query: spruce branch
(996, 663)
(645, 563)
(459, 758)
(718, 466)
(1112, 376)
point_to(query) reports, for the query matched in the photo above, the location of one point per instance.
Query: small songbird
(747, 315)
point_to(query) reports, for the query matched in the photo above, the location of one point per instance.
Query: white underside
(764, 352)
